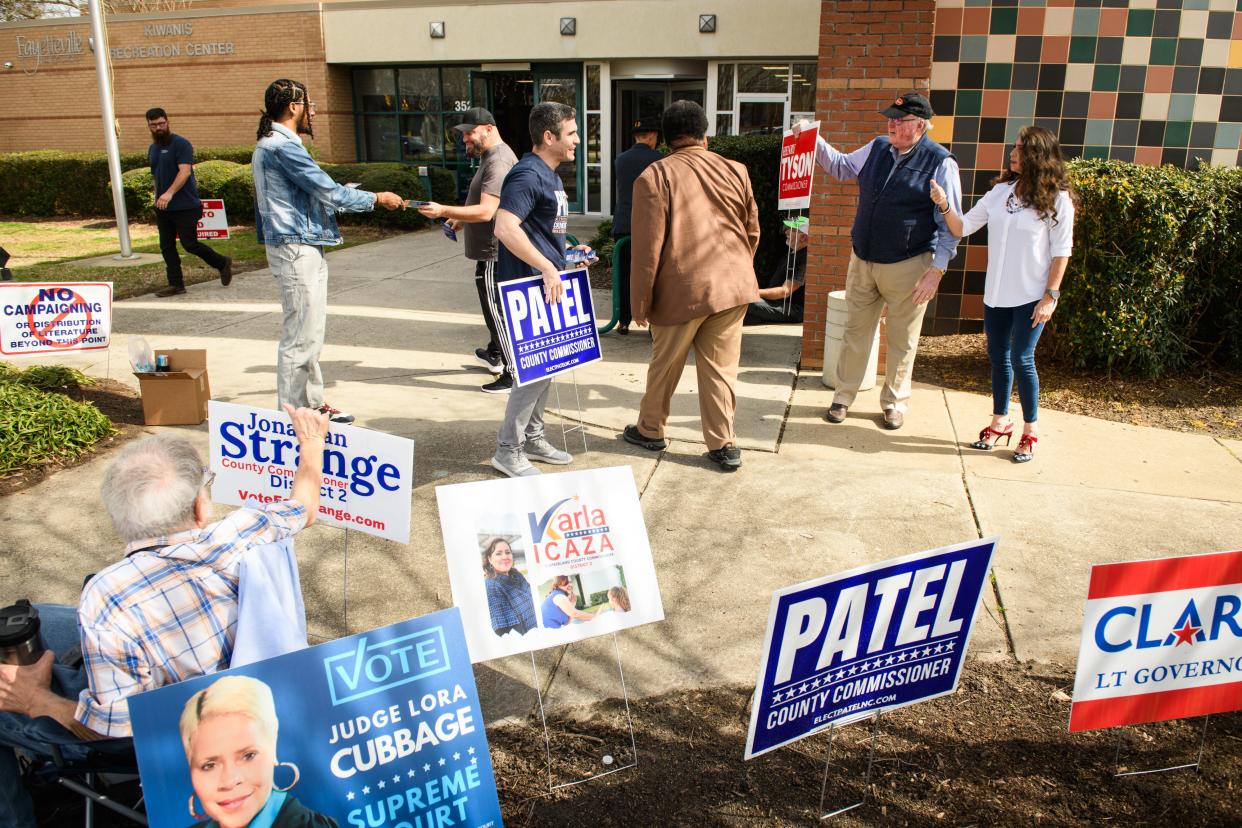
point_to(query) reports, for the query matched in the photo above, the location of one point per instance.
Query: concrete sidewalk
(810, 500)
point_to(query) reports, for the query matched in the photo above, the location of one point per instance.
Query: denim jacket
(295, 200)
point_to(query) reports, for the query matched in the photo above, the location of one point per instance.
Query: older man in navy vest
(901, 248)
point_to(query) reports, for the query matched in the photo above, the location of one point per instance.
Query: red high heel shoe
(1025, 452)
(982, 443)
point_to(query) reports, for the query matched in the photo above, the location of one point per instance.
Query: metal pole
(109, 119)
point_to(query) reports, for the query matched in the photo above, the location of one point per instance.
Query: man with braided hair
(296, 204)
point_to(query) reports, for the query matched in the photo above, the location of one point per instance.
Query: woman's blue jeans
(1011, 348)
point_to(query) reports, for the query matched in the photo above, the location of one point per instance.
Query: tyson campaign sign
(54, 317)
(215, 222)
(366, 474)
(382, 728)
(1161, 639)
(797, 170)
(545, 340)
(872, 639)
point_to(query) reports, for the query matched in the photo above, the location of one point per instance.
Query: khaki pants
(868, 288)
(717, 341)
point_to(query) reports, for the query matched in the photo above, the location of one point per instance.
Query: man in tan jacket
(694, 233)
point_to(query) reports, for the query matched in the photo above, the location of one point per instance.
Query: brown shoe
(893, 419)
(171, 290)
(836, 413)
(226, 272)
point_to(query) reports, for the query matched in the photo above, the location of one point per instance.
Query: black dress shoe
(171, 290)
(893, 419)
(226, 272)
(836, 413)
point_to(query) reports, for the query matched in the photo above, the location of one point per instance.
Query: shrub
(44, 377)
(238, 194)
(1153, 283)
(761, 155)
(40, 427)
(211, 175)
(602, 242)
(139, 198)
(57, 183)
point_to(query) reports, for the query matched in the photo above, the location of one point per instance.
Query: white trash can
(834, 331)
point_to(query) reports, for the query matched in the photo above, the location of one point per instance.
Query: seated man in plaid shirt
(165, 613)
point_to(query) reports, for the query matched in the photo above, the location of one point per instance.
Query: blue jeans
(1011, 342)
(59, 631)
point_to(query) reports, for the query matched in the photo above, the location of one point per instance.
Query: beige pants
(868, 288)
(717, 341)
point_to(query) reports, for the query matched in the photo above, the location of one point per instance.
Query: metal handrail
(616, 284)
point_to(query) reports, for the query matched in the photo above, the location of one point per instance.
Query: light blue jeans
(302, 271)
(59, 631)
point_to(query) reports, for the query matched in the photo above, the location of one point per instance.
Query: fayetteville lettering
(51, 49)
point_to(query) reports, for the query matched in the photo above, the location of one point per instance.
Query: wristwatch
(1055, 294)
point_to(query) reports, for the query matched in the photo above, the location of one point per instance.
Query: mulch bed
(995, 753)
(1203, 400)
(118, 402)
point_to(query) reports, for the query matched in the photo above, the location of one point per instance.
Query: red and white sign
(54, 317)
(214, 224)
(797, 168)
(1161, 639)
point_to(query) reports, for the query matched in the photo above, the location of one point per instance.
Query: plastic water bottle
(141, 357)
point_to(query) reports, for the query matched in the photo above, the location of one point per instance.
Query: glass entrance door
(562, 83)
(761, 114)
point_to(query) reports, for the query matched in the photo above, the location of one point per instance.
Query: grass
(40, 427)
(51, 250)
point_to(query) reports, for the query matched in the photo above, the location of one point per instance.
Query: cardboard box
(179, 395)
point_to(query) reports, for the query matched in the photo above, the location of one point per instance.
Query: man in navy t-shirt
(531, 224)
(177, 208)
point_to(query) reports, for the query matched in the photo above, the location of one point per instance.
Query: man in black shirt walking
(628, 167)
(177, 207)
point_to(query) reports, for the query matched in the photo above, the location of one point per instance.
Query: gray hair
(150, 488)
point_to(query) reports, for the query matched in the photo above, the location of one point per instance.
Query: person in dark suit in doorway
(626, 169)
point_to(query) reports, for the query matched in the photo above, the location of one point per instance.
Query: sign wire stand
(606, 759)
(1118, 772)
(580, 426)
(345, 587)
(823, 791)
(791, 260)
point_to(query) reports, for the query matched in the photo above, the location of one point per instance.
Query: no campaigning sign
(54, 317)
(874, 638)
(1161, 639)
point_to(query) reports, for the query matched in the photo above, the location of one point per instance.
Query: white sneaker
(538, 448)
(512, 463)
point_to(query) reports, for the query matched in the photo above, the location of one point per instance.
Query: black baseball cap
(649, 123)
(471, 118)
(911, 103)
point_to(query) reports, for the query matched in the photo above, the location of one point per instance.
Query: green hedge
(39, 427)
(1155, 281)
(761, 155)
(58, 183)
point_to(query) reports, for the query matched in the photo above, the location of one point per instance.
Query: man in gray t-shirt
(477, 220)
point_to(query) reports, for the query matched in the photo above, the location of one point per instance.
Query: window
(758, 98)
(593, 139)
(407, 113)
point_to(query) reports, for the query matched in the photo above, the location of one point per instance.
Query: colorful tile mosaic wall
(1149, 81)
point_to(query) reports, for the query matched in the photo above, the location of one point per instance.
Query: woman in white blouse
(1029, 214)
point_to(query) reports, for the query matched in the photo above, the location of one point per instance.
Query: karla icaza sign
(872, 639)
(1161, 639)
(54, 317)
(546, 340)
(541, 561)
(366, 474)
(797, 170)
(377, 729)
(215, 223)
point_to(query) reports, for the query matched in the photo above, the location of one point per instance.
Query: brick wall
(212, 99)
(869, 52)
